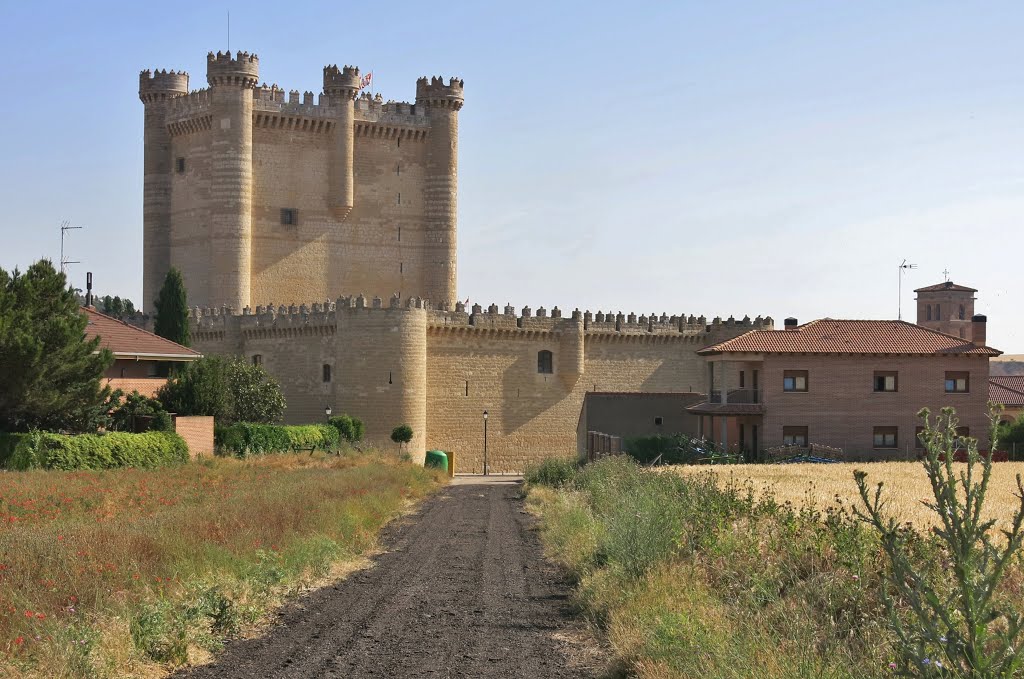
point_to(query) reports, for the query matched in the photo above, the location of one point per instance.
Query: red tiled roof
(829, 336)
(127, 341)
(1008, 390)
(948, 285)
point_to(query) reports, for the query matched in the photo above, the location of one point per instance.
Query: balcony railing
(737, 396)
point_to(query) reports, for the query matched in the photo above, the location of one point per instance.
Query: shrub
(231, 391)
(8, 442)
(960, 618)
(40, 450)
(139, 413)
(349, 427)
(554, 472)
(673, 448)
(247, 438)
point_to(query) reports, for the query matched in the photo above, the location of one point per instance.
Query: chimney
(978, 332)
(88, 289)
(790, 323)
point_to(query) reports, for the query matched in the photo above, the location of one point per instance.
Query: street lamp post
(485, 443)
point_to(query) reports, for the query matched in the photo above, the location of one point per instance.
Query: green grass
(690, 579)
(115, 573)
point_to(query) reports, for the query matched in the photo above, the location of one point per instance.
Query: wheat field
(906, 486)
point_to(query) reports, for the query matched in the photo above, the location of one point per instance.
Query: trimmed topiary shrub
(41, 450)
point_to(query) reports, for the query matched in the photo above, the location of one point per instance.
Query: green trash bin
(438, 459)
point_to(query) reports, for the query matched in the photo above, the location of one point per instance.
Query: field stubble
(820, 486)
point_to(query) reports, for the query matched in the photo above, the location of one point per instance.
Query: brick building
(140, 357)
(850, 384)
(1007, 391)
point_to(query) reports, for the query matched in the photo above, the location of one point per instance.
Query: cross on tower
(945, 272)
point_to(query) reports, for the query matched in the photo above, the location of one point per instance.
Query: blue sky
(707, 158)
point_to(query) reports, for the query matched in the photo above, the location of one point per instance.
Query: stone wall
(400, 361)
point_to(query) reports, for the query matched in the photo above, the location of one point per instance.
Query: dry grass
(823, 485)
(127, 572)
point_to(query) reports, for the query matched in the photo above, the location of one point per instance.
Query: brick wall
(147, 386)
(841, 409)
(197, 432)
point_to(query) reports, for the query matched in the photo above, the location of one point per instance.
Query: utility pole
(64, 228)
(485, 443)
(899, 294)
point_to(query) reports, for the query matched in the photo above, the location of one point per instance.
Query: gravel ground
(462, 590)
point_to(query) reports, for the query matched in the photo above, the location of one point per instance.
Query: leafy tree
(50, 375)
(140, 413)
(117, 307)
(171, 307)
(959, 621)
(231, 391)
(401, 435)
(255, 395)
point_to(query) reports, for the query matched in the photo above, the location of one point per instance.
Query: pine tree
(50, 375)
(172, 309)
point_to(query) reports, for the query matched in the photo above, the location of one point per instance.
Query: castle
(256, 194)
(259, 195)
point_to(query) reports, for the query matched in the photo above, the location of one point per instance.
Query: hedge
(8, 442)
(40, 450)
(246, 438)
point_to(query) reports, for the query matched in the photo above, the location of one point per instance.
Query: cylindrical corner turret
(385, 377)
(442, 104)
(341, 86)
(155, 89)
(232, 80)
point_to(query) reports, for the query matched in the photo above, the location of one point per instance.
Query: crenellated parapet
(223, 69)
(162, 84)
(341, 82)
(435, 93)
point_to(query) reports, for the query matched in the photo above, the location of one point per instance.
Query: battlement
(435, 93)
(224, 69)
(162, 84)
(477, 317)
(344, 81)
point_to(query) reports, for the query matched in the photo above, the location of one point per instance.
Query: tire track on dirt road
(462, 590)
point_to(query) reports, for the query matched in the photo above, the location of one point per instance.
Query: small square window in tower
(545, 362)
(289, 216)
(327, 372)
(179, 165)
(257, 359)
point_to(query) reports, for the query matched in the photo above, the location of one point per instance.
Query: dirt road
(462, 591)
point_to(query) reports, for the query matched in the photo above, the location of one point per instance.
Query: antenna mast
(65, 226)
(899, 294)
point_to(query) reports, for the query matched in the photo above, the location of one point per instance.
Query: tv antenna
(903, 267)
(65, 226)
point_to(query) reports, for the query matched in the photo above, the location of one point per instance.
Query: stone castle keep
(257, 195)
(266, 199)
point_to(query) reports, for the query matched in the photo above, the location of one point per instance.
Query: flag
(366, 80)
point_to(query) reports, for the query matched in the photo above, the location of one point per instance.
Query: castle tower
(341, 87)
(232, 80)
(442, 103)
(384, 354)
(155, 89)
(946, 307)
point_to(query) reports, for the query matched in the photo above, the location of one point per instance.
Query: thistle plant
(951, 622)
